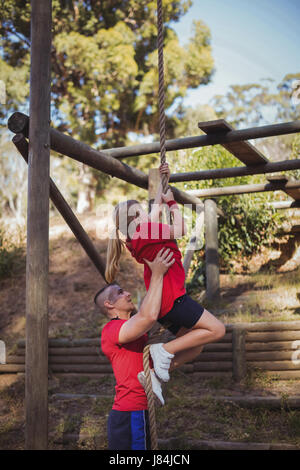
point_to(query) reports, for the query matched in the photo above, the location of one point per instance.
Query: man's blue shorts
(185, 313)
(128, 430)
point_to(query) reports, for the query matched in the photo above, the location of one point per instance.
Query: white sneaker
(161, 361)
(156, 385)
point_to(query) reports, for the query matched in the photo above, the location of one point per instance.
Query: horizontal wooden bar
(268, 402)
(272, 336)
(269, 355)
(272, 167)
(270, 346)
(275, 365)
(243, 189)
(265, 326)
(205, 140)
(66, 145)
(201, 366)
(284, 204)
(79, 351)
(80, 368)
(67, 343)
(11, 368)
(64, 209)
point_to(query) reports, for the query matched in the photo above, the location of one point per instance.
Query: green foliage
(104, 63)
(248, 223)
(11, 256)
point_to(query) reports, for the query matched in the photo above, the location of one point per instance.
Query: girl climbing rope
(192, 325)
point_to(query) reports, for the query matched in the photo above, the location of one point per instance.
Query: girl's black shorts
(185, 313)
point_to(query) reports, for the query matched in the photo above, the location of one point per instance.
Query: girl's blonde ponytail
(115, 245)
(114, 251)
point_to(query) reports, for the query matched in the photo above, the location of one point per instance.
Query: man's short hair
(102, 307)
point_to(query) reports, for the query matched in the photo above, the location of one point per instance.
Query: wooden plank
(269, 355)
(265, 402)
(243, 150)
(284, 179)
(272, 336)
(270, 346)
(275, 365)
(37, 259)
(212, 366)
(266, 326)
(11, 368)
(85, 368)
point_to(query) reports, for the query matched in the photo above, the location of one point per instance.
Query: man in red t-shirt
(122, 340)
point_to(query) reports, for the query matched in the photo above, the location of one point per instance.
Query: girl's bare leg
(207, 330)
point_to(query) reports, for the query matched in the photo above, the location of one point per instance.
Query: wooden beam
(194, 243)
(243, 150)
(16, 125)
(65, 210)
(83, 153)
(284, 204)
(290, 187)
(37, 259)
(246, 188)
(271, 167)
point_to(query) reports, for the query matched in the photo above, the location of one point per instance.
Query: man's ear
(107, 304)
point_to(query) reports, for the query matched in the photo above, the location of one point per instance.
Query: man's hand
(147, 315)
(161, 263)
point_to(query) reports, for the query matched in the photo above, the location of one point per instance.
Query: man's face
(120, 299)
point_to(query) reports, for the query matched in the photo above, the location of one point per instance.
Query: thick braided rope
(161, 90)
(150, 398)
(162, 135)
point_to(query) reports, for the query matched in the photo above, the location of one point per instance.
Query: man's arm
(147, 315)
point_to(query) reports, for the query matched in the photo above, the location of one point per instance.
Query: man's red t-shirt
(127, 362)
(149, 238)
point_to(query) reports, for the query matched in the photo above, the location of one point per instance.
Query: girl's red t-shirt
(149, 238)
(127, 362)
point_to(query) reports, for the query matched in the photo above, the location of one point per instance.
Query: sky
(251, 40)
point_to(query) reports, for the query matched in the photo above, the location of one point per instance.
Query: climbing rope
(164, 180)
(161, 90)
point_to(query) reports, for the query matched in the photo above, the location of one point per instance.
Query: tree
(104, 63)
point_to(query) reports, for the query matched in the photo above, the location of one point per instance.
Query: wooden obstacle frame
(269, 347)
(37, 152)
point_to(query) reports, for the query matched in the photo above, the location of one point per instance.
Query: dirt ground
(80, 423)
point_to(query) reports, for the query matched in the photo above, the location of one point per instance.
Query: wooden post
(194, 243)
(239, 367)
(36, 369)
(211, 250)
